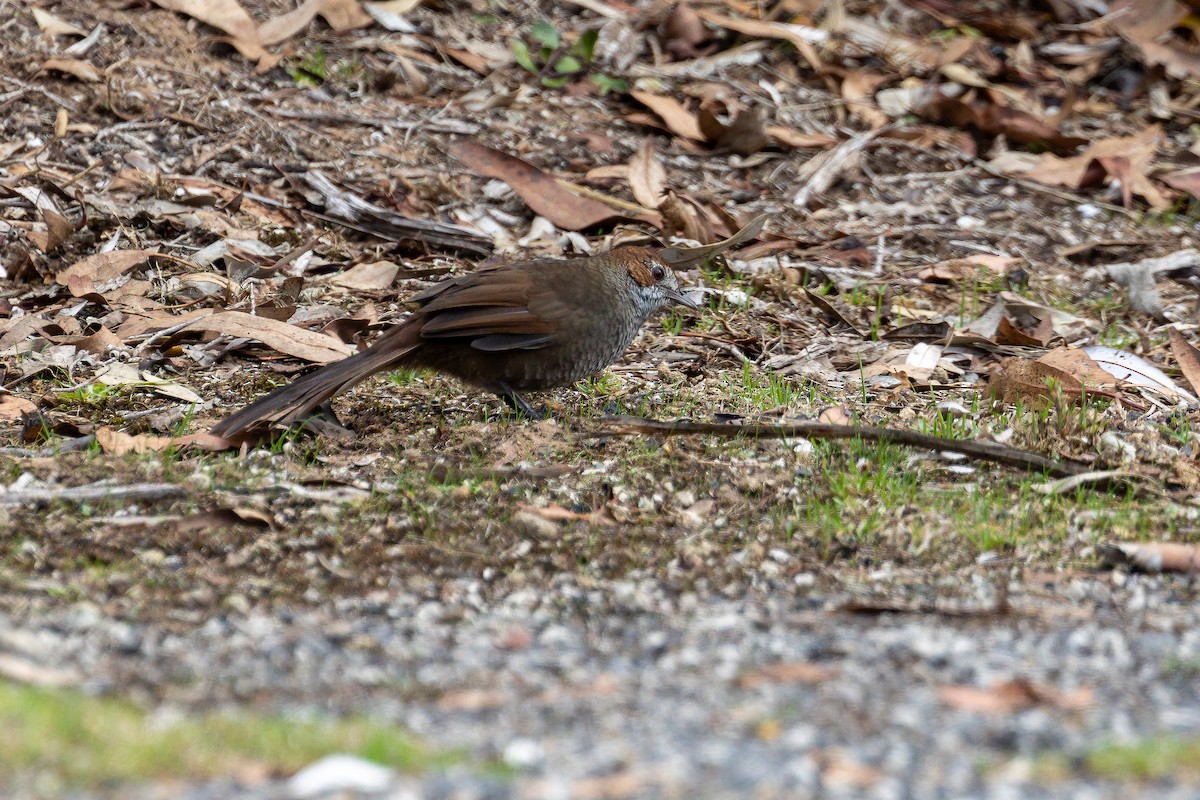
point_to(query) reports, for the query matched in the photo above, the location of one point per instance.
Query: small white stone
(496, 190)
(523, 753)
(339, 773)
(1088, 210)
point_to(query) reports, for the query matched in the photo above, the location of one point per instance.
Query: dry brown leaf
(1021, 379)
(1082, 367)
(227, 16)
(75, 67)
(800, 36)
(556, 513)
(1188, 358)
(540, 191)
(288, 339)
(956, 269)
(836, 415)
(683, 32)
(647, 178)
(17, 330)
(1126, 158)
(372, 277)
(1012, 696)
(147, 321)
(53, 26)
(744, 136)
(685, 257)
(978, 111)
(1007, 332)
(85, 275)
(1146, 24)
(285, 26)
(58, 228)
(791, 138)
(787, 672)
(13, 408)
(858, 90)
(119, 443)
(679, 120)
(1156, 556)
(223, 518)
(97, 343)
(344, 15)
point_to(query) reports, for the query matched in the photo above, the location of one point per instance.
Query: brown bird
(526, 326)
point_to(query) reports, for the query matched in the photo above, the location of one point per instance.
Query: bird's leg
(517, 403)
(324, 421)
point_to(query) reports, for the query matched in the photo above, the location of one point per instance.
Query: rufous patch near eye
(640, 265)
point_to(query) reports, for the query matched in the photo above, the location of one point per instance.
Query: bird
(530, 325)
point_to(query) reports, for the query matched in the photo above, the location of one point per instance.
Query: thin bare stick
(983, 451)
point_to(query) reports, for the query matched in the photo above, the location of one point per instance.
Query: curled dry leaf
(1008, 332)
(540, 191)
(675, 114)
(821, 171)
(685, 257)
(1187, 356)
(647, 178)
(53, 26)
(223, 519)
(744, 135)
(58, 228)
(802, 37)
(74, 67)
(288, 339)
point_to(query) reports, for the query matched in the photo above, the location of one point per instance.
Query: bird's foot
(324, 422)
(518, 404)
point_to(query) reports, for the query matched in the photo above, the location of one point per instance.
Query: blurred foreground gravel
(626, 691)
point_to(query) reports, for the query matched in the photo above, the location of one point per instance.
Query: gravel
(628, 690)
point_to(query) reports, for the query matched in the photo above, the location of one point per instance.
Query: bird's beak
(681, 298)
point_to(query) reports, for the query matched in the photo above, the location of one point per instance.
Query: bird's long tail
(302, 396)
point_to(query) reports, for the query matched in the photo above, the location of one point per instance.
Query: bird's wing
(492, 308)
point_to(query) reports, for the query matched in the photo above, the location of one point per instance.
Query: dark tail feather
(302, 396)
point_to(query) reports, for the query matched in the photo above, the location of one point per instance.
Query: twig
(984, 451)
(92, 492)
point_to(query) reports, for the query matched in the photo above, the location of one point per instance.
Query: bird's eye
(658, 272)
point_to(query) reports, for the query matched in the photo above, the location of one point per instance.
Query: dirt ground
(563, 608)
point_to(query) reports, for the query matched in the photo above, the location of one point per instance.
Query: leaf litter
(948, 195)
